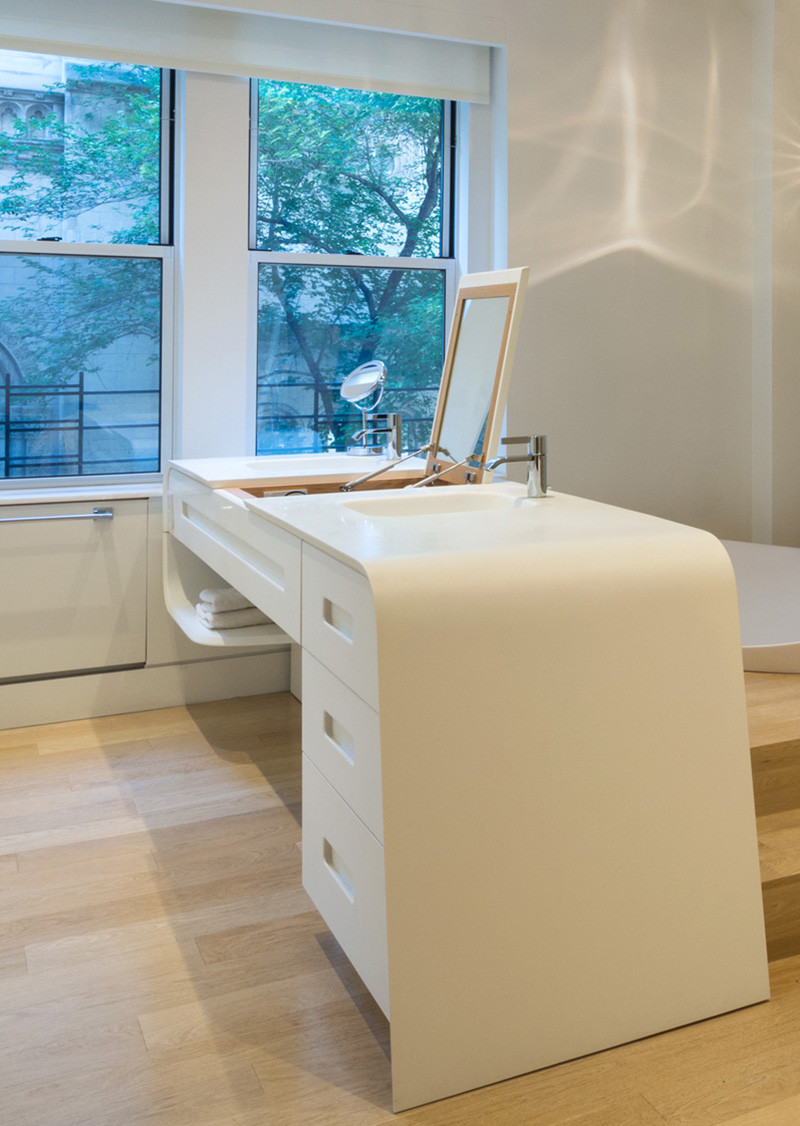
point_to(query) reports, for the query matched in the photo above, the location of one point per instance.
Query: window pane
(316, 323)
(80, 361)
(79, 149)
(348, 172)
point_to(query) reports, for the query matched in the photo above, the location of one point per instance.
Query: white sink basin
(432, 502)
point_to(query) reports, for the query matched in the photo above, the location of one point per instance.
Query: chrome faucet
(536, 457)
(390, 424)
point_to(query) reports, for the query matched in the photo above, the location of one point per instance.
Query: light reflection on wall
(644, 141)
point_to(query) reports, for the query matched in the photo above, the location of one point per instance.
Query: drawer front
(339, 622)
(73, 587)
(341, 736)
(344, 875)
(257, 558)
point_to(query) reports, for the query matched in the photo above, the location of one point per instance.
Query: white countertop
(287, 469)
(332, 522)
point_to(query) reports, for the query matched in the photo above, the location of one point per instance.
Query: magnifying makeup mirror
(365, 380)
(362, 381)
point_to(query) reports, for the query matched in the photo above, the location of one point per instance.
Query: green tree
(90, 173)
(98, 166)
(74, 308)
(358, 173)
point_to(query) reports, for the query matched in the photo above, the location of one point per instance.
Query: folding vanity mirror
(476, 375)
(475, 378)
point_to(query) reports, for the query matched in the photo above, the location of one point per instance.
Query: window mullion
(353, 261)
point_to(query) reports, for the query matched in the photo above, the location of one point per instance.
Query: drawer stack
(343, 863)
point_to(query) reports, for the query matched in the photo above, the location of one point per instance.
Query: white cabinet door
(72, 591)
(341, 736)
(343, 872)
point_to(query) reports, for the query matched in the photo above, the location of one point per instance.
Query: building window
(351, 232)
(84, 176)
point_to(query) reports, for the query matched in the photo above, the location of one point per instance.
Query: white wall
(786, 276)
(630, 195)
(630, 171)
(211, 415)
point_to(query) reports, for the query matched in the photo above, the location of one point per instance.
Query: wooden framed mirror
(476, 374)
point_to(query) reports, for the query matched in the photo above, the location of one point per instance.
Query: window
(84, 217)
(351, 229)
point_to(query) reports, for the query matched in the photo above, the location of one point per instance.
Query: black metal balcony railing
(299, 405)
(46, 431)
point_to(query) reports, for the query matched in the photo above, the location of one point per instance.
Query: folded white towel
(224, 598)
(229, 619)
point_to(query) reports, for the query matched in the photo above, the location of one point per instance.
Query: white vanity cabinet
(73, 586)
(343, 855)
(528, 828)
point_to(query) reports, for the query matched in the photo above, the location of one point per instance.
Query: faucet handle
(536, 457)
(536, 443)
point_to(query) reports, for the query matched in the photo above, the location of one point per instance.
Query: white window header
(247, 44)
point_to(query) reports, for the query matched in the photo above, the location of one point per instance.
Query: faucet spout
(535, 457)
(389, 424)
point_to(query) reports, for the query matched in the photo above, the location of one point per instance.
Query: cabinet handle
(95, 514)
(337, 868)
(339, 620)
(340, 737)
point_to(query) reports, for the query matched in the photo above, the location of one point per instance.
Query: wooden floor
(160, 963)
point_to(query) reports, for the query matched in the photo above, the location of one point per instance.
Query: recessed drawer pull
(340, 737)
(338, 619)
(95, 514)
(337, 868)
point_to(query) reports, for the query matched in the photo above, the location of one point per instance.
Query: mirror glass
(473, 375)
(363, 380)
(476, 374)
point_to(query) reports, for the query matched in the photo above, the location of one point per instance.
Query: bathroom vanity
(527, 803)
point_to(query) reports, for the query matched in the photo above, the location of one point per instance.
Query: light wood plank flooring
(160, 963)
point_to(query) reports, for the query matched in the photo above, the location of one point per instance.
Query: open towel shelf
(184, 577)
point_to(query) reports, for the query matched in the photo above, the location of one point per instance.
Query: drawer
(73, 587)
(341, 736)
(339, 622)
(253, 555)
(344, 875)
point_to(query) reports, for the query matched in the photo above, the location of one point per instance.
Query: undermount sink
(432, 502)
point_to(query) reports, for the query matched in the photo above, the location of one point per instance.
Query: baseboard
(133, 690)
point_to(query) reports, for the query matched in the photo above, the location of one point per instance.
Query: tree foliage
(94, 171)
(75, 308)
(348, 171)
(97, 168)
(338, 172)
(357, 173)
